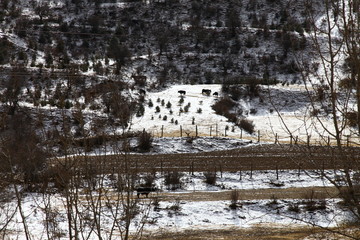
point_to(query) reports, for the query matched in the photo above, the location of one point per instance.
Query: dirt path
(250, 194)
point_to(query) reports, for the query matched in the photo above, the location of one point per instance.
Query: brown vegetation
(270, 232)
(259, 157)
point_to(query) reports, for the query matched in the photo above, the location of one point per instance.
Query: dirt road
(250, 194)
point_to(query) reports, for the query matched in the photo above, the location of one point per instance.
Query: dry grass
(256, 233)
(259, 157)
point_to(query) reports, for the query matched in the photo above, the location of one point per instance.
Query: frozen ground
(218, 215)
(291, 102)
(179, 215)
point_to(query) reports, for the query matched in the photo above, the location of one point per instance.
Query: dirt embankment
(257, 157)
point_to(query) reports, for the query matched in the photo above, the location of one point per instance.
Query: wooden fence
(257, 136)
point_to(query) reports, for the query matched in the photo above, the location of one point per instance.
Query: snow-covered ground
(218, 215)
(153, 121)
(178, 214)
(291, 100)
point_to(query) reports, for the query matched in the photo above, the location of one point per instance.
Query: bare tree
(331, 77)
(21, 160)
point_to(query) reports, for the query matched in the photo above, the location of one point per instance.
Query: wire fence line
(217, 130)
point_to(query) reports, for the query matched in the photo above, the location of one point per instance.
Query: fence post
(276, 138)
(192, 167)
(180, 131)
(196, 131)
(210, 130)
(161, 168)
(216, 130)
(291, 138)
(308, 141)
(251, 170)
(259, 136)
(221, 172)
(162, 130)
(240, 133)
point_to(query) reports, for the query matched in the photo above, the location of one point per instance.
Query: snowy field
(265, 119)
(179, 215)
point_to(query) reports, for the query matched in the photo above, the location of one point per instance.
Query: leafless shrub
(223, 106)
(125, 183)
(276, 183)
(234, 199)
(351, 195)
(315, 112)
(130, 211)
(314, 201)
(247, 125)
(294, 207)
(145, 141)
(190, 140)
(156, 203)
(173, 180)
(210, 178)
(149, 180)
(321, 93)
(60, 176)
(232, 117)
(274, 201)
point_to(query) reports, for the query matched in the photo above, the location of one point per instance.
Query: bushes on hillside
(247, 125)
(223, 106)
(145, 141)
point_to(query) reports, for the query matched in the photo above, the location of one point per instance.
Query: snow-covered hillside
(292, 115)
